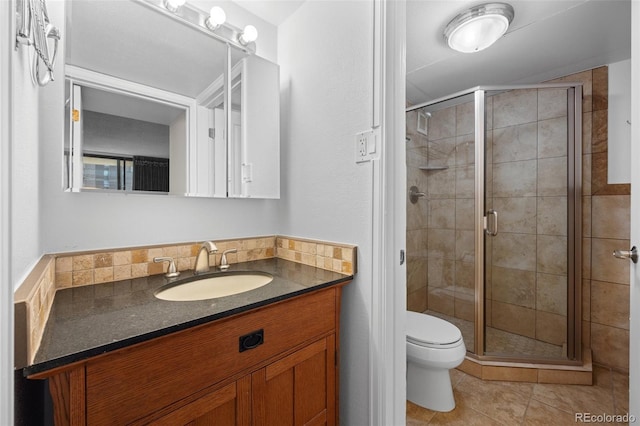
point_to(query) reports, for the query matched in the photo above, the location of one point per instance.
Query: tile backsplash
(77, 269)
(34, 297)
(323, 255)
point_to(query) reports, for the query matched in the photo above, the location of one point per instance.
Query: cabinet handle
(251, 340)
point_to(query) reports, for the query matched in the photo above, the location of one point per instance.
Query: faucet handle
(172, 271)
(223, 260)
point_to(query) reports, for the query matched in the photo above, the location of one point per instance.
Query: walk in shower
(493, 218)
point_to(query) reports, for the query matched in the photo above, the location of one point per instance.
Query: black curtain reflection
(150, 174)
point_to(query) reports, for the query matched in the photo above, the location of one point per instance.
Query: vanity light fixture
(216, 18)
(174, 5)
(248, 35)
(214, 23)
(478, 27)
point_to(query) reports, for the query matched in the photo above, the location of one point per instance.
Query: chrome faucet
(224, 265)
(202, 260)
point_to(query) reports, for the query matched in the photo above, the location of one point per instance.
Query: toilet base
(430, 388)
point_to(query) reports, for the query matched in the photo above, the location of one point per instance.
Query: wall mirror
(149, 99)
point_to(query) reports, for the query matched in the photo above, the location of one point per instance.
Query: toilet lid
(423, 329)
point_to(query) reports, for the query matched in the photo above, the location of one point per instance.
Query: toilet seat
(430, 331)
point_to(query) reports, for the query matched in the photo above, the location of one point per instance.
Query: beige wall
(526, 283)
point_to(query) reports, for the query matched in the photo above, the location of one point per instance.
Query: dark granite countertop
(91, 320)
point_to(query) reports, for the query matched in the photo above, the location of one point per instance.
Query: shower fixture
(478, 27)
(415, 194)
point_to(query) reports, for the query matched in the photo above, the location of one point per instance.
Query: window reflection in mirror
(107, 172)
(125, 141)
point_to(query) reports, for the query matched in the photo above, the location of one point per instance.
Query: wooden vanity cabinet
(229, 405)
(200, 376)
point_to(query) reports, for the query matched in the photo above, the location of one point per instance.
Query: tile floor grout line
(526, 410)
(535, 402)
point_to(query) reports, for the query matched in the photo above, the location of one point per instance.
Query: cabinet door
(230, 405)
(299, 389)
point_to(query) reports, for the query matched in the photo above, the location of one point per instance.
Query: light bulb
(249, 34)
(216, 18)
(173, 5)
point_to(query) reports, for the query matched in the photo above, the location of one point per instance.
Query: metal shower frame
(574, 216)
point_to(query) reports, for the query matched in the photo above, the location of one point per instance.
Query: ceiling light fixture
(479, 27)
(216, 18)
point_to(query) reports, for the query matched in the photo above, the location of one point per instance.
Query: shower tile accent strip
(33, 299)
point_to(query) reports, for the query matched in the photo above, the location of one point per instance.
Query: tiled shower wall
(605, 227)
(525, 292)
(440, 236)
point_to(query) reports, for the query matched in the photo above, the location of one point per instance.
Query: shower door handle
(493, 230)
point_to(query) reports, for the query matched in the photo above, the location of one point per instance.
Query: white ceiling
(546, 40)
(272, 11)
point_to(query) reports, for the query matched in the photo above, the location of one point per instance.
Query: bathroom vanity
(268, 356)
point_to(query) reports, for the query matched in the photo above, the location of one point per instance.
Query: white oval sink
(214, 286)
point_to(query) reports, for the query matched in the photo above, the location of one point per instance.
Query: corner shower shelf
(428, 168)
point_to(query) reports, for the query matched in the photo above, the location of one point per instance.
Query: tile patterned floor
(509, 403)
(502, 342)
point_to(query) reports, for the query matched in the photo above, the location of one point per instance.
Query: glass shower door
(530, 200)
(493, 226)
(440, 215)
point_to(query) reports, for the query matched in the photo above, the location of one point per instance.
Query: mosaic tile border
(325, 255)
(32, 304)
(96, 267)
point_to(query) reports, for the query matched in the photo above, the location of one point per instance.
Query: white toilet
(434, 346)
